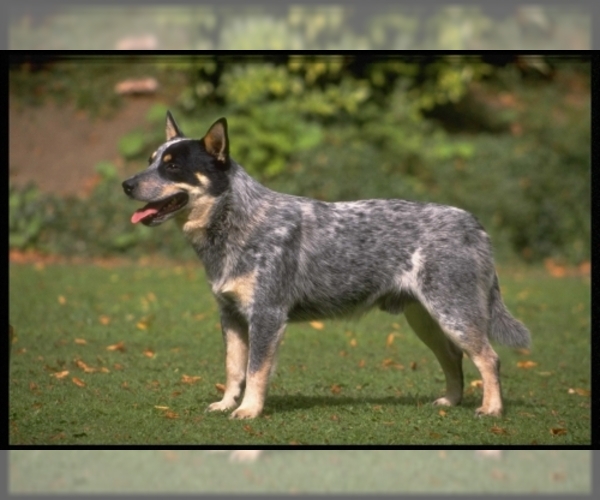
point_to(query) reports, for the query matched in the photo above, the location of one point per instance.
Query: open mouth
(159, 211)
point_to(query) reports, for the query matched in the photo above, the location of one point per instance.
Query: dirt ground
(57, 147)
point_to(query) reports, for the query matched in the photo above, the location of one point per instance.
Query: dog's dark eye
(172, 167)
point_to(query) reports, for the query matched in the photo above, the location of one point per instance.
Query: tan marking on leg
(240, 288)
(236, 360)
(487, 363)
(167, 158)
(256, 392)
(257, 383)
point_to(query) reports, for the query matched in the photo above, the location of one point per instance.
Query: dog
(272, 258)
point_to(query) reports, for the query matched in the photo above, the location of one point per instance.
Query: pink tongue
(142, 213)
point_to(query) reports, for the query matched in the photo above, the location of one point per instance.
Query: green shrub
(27, 216)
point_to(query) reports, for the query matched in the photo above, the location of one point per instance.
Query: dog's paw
(242, 412)
(445, 401)
(222, 405)
(491, 411)
(245, 455)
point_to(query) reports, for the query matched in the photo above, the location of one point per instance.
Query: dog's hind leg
(487, 362)
(471, 337)
(448, 354)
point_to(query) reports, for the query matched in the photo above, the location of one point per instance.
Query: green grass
(372, 471)
(342, 384)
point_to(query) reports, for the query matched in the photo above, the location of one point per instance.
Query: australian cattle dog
(272, 258)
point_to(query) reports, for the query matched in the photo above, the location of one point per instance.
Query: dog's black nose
(128, 186)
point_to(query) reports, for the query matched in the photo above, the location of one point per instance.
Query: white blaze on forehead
(159, 152)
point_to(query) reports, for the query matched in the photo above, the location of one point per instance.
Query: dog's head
(183, 175)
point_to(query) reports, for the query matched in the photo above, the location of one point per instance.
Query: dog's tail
(505, 329)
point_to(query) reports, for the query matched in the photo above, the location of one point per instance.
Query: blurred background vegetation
(505, 137)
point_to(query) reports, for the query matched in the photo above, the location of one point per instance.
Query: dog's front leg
(265, 333)
(235, 336)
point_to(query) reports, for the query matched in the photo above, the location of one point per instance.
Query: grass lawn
(133, 355)
(335, 471)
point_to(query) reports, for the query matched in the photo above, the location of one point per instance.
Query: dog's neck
(227, 224)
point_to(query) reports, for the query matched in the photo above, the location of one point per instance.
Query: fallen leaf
(62, 374)
(558, 431)
(105, 320)
(390, 340)
(220, 387)
(78, 382)
(413, 365)
(81, 365)
(334, 417)
(80, 341)
(149, 353)
(142, 325)
(189, 379)
(442, 413)
(119, 346)
(61, 300)
(580, 392)
(361, 363)
(477, 383)
(526, 364)
(353, 342)
(336, 389)
(498, 430)
(161, 407)
(33, 386)
(317, 325)
(171, 415)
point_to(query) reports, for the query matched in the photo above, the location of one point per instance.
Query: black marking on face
(188, 158)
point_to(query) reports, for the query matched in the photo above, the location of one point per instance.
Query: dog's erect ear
(172, 129)
(216, 141)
